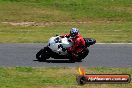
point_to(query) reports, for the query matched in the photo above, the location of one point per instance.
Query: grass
(104, 20)
(66, 10)
(102, 32)
(51, 77)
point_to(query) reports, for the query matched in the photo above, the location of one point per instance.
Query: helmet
(74, 32)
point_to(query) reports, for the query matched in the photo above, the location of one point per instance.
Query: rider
(77, 40)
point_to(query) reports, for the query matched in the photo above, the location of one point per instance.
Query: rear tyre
(89, 41)
(43, 54)
(82, 55)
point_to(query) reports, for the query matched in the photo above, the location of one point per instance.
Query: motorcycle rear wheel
(80, 56)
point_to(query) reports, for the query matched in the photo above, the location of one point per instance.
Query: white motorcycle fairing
(55, 42)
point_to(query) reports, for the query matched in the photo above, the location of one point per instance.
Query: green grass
(53, 77)
(66, 10)
(102, 32)
(105, 20)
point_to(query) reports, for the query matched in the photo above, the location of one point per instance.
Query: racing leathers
(78, 45)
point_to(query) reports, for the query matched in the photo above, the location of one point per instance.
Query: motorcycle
(56, 48)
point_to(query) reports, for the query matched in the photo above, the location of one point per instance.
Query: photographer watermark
(84, 78)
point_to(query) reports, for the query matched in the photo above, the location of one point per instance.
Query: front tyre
(43, 54)
(38, 55)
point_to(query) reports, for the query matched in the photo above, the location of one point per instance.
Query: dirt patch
(19, 23)
(41, 23)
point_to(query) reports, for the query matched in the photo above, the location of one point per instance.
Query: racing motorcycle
(56, 48)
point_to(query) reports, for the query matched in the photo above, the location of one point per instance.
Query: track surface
(105, 55)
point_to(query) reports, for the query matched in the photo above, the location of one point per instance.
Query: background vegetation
(34, 21)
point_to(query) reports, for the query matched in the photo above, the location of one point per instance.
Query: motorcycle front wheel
(43, 54)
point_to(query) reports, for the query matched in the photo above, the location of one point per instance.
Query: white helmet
(74, 32)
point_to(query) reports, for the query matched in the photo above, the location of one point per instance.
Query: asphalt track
(101, 55)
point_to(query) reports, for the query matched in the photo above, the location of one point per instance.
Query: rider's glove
(67, 36)
(62, 36)
(69, 40)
